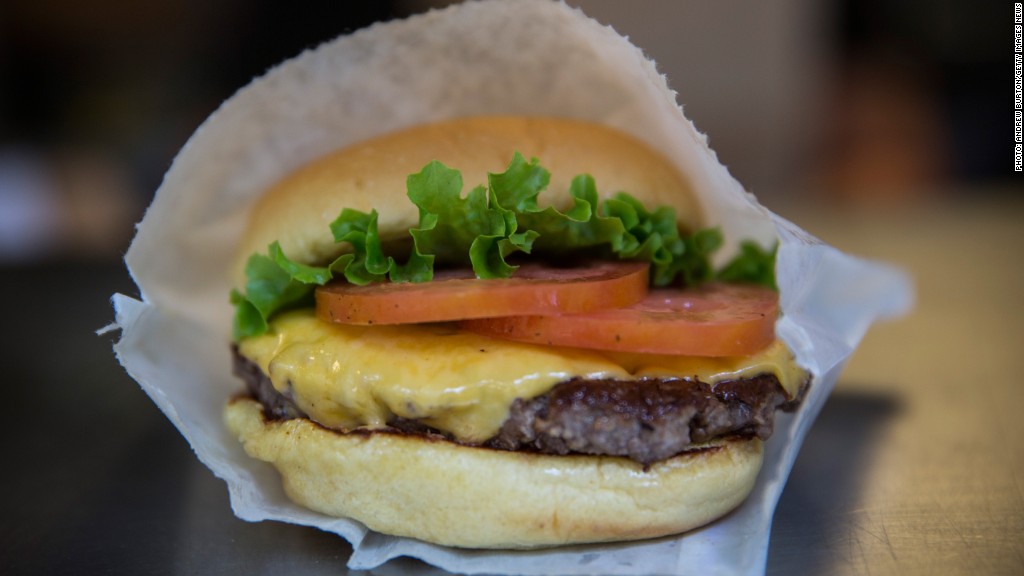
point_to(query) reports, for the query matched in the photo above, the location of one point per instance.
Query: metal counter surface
(915, 465)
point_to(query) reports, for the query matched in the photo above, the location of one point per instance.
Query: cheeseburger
(504, 332)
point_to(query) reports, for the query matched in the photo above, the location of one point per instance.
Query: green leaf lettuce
(482, 229)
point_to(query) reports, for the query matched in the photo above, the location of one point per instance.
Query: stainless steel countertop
(915, 465)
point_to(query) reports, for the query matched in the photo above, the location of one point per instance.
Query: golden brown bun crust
(454, 495)
(372, 174)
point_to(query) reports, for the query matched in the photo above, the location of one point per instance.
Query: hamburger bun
(297, 211)
(441, 487)
(473, 497)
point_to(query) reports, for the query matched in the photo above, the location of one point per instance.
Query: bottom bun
(455, 495)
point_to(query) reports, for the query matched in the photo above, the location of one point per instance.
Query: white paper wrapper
(531, 57)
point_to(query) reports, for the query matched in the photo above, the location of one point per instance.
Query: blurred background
(804, 100)
(884, 127)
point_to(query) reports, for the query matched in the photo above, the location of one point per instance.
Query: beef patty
(646, 420)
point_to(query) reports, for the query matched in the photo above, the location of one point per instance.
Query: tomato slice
(535, 289)
(712, 320)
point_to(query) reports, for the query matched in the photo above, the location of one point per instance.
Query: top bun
(297, 212)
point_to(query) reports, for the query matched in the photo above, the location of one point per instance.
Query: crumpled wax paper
(527, 57)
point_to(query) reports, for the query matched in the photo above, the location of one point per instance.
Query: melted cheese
(348, 377)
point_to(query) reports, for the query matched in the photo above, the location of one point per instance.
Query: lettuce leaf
(753, 264)
(483, 229)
